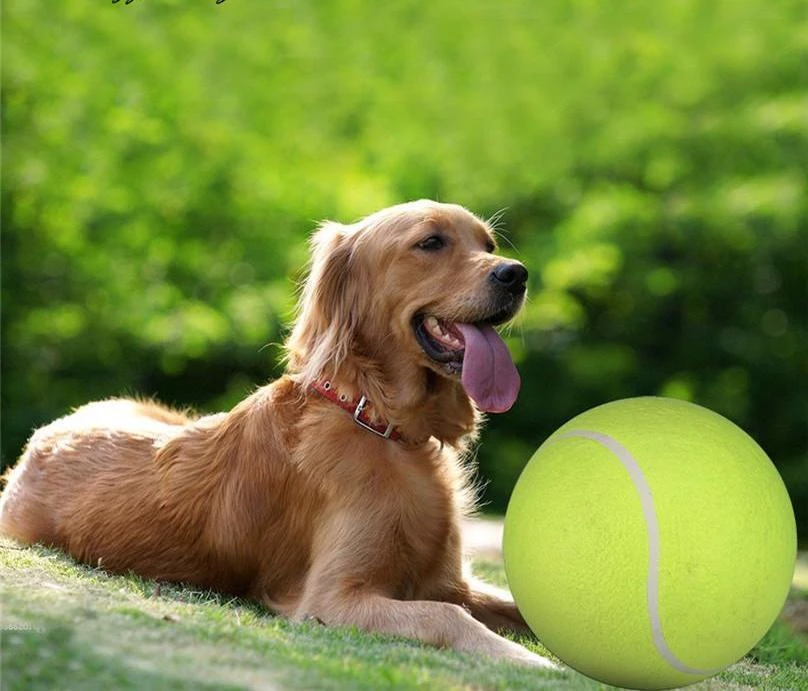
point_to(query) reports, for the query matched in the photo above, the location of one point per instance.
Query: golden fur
(284, 499)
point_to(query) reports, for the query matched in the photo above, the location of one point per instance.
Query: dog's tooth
(432, 323)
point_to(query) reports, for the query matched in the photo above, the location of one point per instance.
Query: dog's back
(70, 466)
(132, 486)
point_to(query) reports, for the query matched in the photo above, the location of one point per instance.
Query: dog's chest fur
(422, 518)
(390, 513)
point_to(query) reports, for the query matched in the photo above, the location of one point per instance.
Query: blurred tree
(164, 163)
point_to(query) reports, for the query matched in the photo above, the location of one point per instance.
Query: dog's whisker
(495, 219)
(506, 240)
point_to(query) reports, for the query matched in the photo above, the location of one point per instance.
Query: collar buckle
(357, 417)
(383, 429)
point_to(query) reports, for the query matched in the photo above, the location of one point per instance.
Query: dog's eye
(432, 243)
(490, 247)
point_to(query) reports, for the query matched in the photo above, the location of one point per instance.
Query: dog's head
(411, 288)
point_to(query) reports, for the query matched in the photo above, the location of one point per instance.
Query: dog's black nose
(511, 276)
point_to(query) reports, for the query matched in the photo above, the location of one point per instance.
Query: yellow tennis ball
(649, 543)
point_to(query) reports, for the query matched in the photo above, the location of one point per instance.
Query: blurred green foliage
(164, 162)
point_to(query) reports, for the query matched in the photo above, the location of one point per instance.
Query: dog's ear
(330, 306)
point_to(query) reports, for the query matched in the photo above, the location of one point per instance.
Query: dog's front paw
(523, 656)
(533, 660)
(513, 652)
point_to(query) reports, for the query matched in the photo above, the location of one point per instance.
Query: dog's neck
(420, 404)
(360, 409)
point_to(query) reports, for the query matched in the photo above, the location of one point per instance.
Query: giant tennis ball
(649, 543)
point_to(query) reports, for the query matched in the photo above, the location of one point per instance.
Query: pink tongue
(489, 375)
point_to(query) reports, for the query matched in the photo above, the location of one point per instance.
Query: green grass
(67, 626)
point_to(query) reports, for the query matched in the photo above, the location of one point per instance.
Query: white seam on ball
(649, 512)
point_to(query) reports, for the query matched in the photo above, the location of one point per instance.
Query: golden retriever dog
(335, 492)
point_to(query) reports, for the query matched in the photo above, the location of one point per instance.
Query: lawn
(68, 626)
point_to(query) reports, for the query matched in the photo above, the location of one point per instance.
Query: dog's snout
(511, 276)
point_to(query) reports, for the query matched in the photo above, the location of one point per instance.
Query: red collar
(357, 410)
